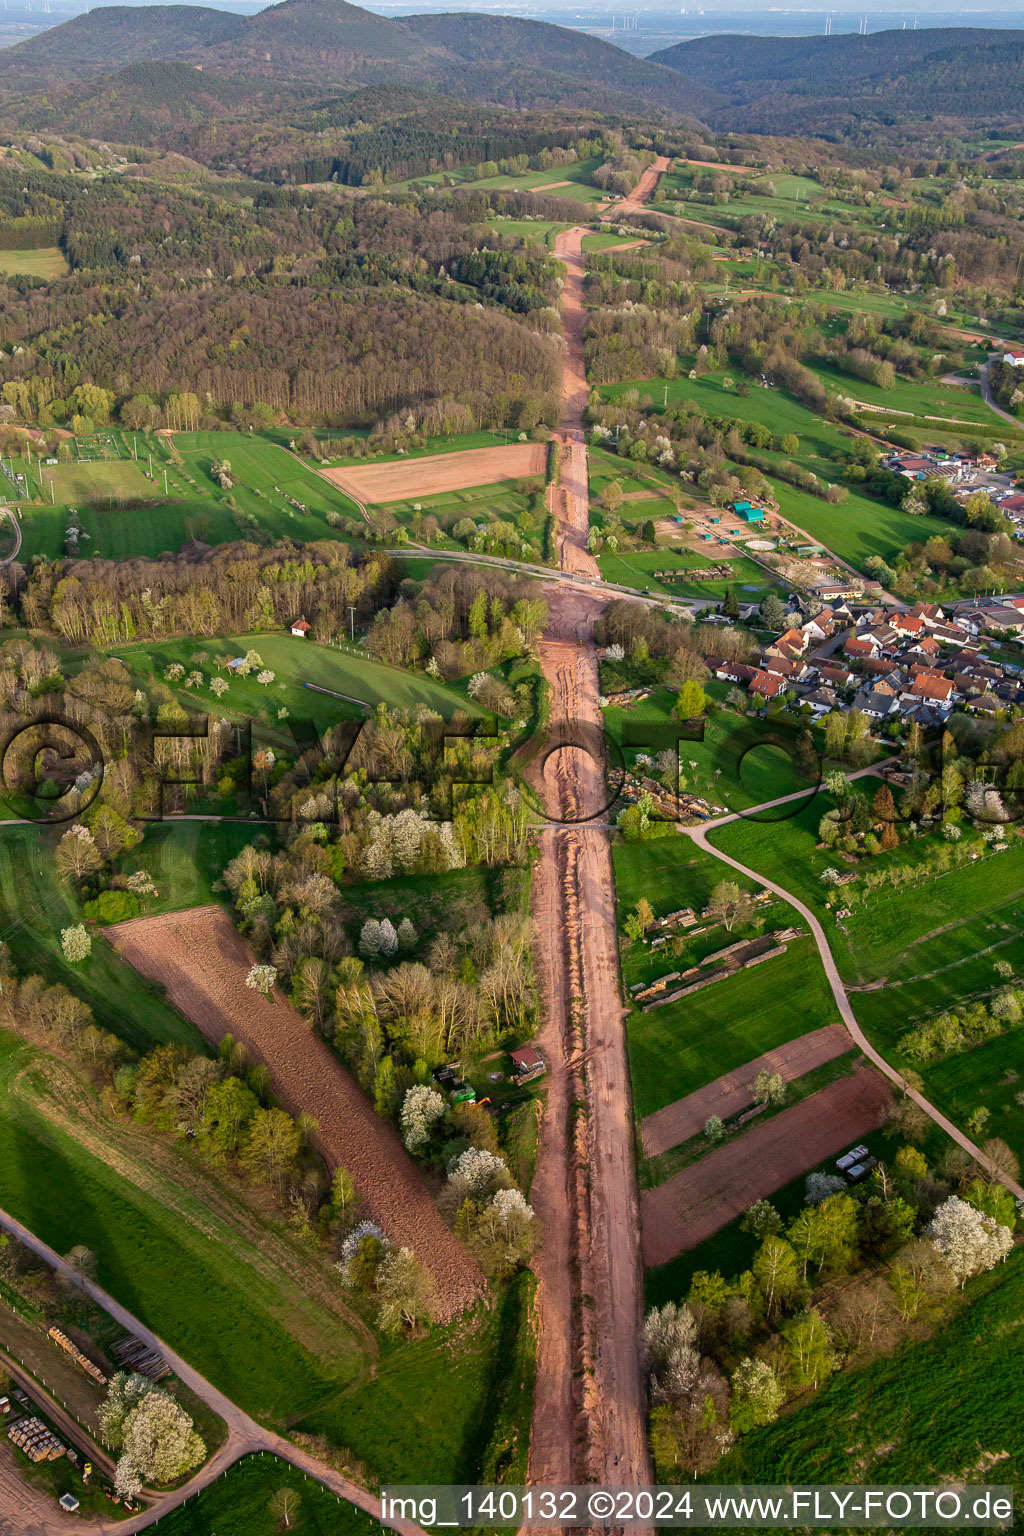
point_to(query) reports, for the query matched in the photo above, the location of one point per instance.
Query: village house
(768, 684)
(820, 701)
(879, 702)
(837, 677)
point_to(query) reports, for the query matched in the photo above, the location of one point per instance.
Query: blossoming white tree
(969, 1241)
(261, 978)
(422, 1107)
(76, 943)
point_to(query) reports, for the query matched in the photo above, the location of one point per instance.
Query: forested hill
(812, 84)
(332, 45)
(512, 43)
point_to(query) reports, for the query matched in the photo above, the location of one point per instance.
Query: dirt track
(690, 1207)
(201, 960)
(439, 472)
(589, 1406)
(730, 1094)
(640, 193)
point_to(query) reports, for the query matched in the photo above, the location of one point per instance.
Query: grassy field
(602, 241)
(74, 484)
(451, 1408)
(751, 581)
(533, 231)
(174, 1257)
(924, 948)
(185, 503)
(737, 765)
(577, 175)
(855, 529)
(483, 503)
(34, 906)
(47, 261)
(920, 397)
(294, 663)
(237, 1504)
(684, 1046)
(884, 932)
(919, 1419)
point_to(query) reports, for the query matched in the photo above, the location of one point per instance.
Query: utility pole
(352, 622)
(165, 482)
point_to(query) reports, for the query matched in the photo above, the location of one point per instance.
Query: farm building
(527, 1063)
(749, 514)
(301, 629)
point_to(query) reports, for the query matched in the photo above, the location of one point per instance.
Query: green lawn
(47, 261)
(186, 503)
(294, 663)
(920, 397)
(74, 484)
(533, 231)
(636, 569)
(740, 763)
(918, 1419)
(35, 905)
(167, 1254)
(684, 1046)
(237, 1504)
(451, 1408)
(958, 925)
(860, 526)
(603, 241)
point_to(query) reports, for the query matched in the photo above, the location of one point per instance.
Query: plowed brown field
(439, 472)
(203, 963)
(730, 1093)
(690, 1207)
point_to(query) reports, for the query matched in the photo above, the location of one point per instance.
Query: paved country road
(839, 992)
(244, 1436)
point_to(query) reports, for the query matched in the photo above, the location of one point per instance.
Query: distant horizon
(637, 31)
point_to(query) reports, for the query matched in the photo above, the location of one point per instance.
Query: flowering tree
(159, 1444)
(369, 937)
(155, 1435)
(669, 1349)
(77, 854)
(406, 1292)
(219, 686)
(266, 677)
(478, 1172)
(969, 1241)
(422, 1107)
(388, 937)
(757, 1394)
(76, 943)
(261, 978)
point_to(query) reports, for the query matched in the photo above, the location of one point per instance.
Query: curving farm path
(244, 1436)
(839, 991)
